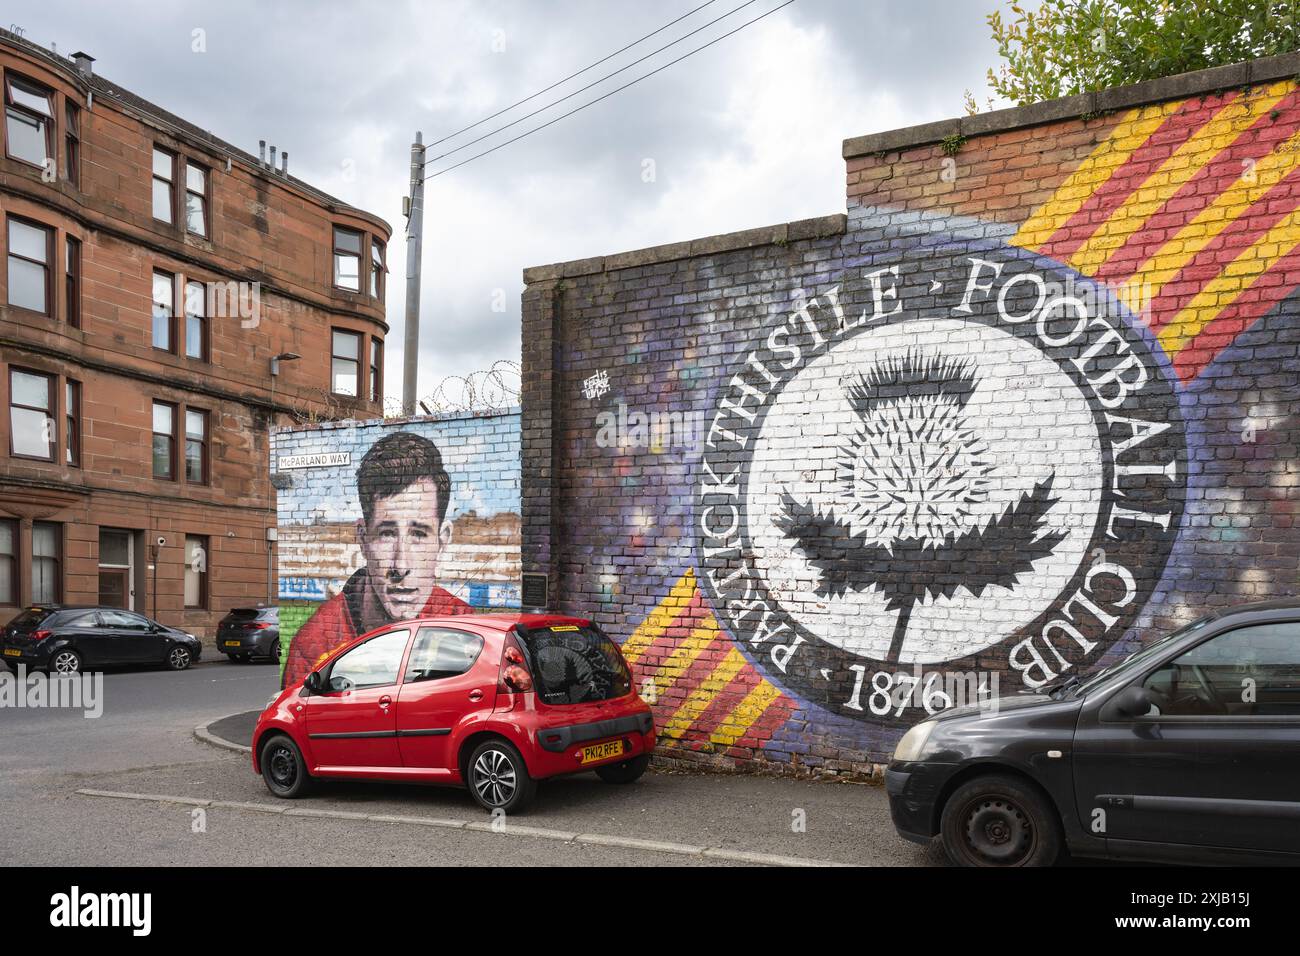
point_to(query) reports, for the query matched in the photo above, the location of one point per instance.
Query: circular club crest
(947, 465)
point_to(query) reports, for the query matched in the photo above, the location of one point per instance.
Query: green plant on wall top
(952, 144)
(1062, 47)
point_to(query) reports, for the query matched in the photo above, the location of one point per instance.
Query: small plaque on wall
(533, 591)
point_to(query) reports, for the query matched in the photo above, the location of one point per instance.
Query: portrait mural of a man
(404, 492)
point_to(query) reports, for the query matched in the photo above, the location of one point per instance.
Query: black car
(65, 639)
(248, 632)
(1188, 750)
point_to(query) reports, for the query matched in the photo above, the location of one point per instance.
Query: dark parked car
(65, 639)
(1188, 750)
(248, 632)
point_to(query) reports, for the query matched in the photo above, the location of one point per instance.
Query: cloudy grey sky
(742, 134)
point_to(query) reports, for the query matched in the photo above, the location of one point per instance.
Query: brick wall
(1033, 400)
(455, 546)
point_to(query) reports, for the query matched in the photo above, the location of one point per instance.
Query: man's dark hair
(396, 462)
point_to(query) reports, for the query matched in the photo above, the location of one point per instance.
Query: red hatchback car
(494, 702)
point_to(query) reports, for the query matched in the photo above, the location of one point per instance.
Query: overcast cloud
(743, 134)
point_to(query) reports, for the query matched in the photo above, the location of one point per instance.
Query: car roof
(51, 608)
(503, 620)
(1279, 604)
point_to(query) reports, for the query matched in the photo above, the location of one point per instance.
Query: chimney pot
(273, 158)
(284, 163)
(261, 151)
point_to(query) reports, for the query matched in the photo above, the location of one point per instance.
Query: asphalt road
(143, 744)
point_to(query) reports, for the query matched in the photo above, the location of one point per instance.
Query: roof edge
(821, 227)
(105, 89)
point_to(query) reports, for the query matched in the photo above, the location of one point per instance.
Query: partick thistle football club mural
(941, 456)
(979, 469)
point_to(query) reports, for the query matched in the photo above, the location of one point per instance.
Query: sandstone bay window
(345, 362)
(72, 280)
(376, 269)
(196, 321)
(347, 259)
(164, 185)
(196, 446)
(376, 370)
(8, 562)
(47, 553)
(164, 440)
(196, 199)
(72, 422)
(196, 572)
(30, 251)
(29, 121)
(31, 414)
(164, 311)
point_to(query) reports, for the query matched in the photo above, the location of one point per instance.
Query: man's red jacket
(334, 624)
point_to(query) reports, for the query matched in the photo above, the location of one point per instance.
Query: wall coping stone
(1183, 85)
(821, 227)
(365, 422)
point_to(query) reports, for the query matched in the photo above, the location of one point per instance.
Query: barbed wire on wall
(491, 389)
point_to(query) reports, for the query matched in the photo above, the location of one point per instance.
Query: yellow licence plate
(13, 652)
(603, 751)
(232, 643)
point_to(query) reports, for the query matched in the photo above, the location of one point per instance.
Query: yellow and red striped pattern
(706, 695)
(1190, 209)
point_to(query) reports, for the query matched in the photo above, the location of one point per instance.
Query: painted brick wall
(1034, 400)
(441, 534)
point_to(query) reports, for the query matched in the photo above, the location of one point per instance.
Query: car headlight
(912, 746)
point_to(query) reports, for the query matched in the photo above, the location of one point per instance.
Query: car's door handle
(385, 701)
(476, 694)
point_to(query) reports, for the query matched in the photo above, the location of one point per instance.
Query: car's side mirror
(1132, 701)
(314, 682)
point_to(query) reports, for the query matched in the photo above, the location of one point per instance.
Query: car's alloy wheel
(275, 650)
(498, 777)
(65, 662)
(178, 658)
(494, 778)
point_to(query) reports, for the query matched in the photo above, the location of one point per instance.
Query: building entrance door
(116, 568)
(113, 588)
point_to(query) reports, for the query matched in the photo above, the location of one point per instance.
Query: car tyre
(629, 771)
(999, 820)
(179, 658)
(275, 651)
(283, 768)
(65, 662)
(498, 778)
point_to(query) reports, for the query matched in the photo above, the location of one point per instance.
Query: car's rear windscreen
(576, 665)
(29, 619)
(254, 613)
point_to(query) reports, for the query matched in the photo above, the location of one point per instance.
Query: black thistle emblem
(908, 474)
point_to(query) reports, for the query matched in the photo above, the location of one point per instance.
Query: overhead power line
(604, 96)
(592, 66)
(569, 96)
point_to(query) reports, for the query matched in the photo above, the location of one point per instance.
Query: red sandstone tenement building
(153, 274)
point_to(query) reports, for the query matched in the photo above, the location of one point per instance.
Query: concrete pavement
(143, 745)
